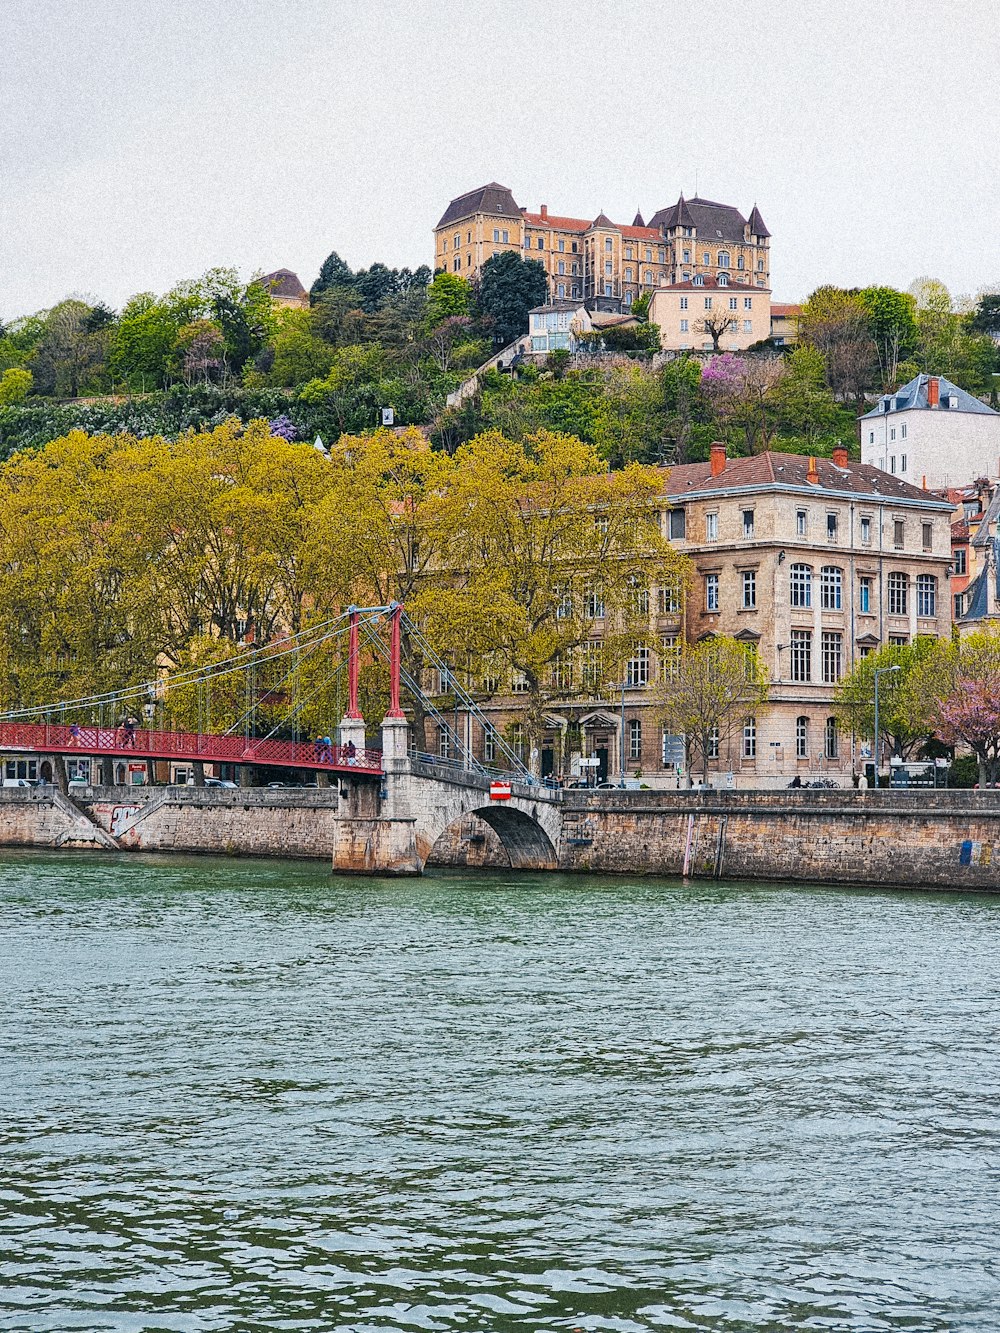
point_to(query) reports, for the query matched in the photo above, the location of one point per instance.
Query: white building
(932, 433)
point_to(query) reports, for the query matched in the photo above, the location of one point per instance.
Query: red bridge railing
(184, 745)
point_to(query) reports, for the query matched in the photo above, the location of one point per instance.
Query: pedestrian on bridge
(128, 727)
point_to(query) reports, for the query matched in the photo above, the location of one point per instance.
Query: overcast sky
(147, 141)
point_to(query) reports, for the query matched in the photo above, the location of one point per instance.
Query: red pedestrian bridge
(181, 746)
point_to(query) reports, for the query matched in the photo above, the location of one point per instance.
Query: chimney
(840, 456)
(812, 476)
(545, 210)
(717, 458)
(933, 391)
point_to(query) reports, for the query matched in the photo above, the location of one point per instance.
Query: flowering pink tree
(741, 391)
(969, 714)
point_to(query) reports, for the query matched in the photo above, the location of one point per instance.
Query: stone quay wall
(937, 839)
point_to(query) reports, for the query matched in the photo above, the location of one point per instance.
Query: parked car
(221, 782)
(17, 782)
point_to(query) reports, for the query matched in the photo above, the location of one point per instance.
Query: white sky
(143, 141)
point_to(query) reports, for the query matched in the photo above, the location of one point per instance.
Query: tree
(299, 356)
(546, 541)
(448, 297)
(985, 318)
(907, 697)
(334, 272)
(715, 325)
(893, 328)
(509, 287)
(15, 385)
(837, 323)
(718, 684)
(804, 403)
(741, 390)
(968, 689)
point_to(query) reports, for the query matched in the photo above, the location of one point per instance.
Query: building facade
(705, 313)
(813, 562)
(932, 433)
(606, 264)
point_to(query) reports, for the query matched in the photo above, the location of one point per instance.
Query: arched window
(740, 262)
(698, 280)
(896, 594)
(800, 581)
(926, 595)
(723, 259)
(802, 737)
(831, 739)
(831, 586)
(723, 280)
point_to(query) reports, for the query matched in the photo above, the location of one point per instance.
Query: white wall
(948, 447)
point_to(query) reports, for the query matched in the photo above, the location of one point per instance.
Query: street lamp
(879, 671)
(621, 732)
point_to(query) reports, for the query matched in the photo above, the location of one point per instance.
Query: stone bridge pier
(420, 800)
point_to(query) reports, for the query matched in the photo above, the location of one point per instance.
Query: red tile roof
(557, 223)
(768, 470)
(783, 311)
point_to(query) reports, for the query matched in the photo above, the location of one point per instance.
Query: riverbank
(933, 839)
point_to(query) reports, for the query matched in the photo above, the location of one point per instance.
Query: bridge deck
(23, 737)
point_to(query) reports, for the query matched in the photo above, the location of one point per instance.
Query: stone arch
(525, 843)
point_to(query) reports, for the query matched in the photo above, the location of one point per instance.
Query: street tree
(907, 696)
(968, 705)
(718, 684)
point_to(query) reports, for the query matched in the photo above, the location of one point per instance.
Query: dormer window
(723, 280)
(698, 280)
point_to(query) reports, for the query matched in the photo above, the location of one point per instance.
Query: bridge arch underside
(524, 842)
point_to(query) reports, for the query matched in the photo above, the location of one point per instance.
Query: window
(628, 275)
(832, 653)
(457, 241)
(506, 237)
(562, 594)
(593, 601)
(608, 244)
(561, 672)
(902, 462)
(892, 464)
(708, 303)
(747, 326)
(711, 592)
(706, 259)
(517, 739)
(801, 647)
(628, 252)
(685, 256)
(639, 596)
(750, 738)
(802, 738)
(489, 745)
(749, 602)
(649, 278)
(831, 527)
(684, 326)
(684, 303)
(562, 245)
(733, 303)
(961, 562)
(697, 280)
(444, 742)
(711, 527)
(871, 437)
(892, 433)
(959, 606)
(607, 289)
(896, 590)
(898, 640)
(760, 266)
(748, 303)
(748, 523)
(740, 262)
(926, 595)
(573, 247)
(800, 577)
(713, 743)
(866, 532)
(897, 533)
(723, 260)
(926, 535)
(723, 281)
(902, 431)
(865, 596)
(677, 524)
(637, 667)
(668, 598)
(541, 242)
(576, 290)
(519, 684)
(561, 266)
(831, 583)
(590, 665)
(456, 263)
(670, 657)
(608, 268)
(831, 739)
(635, 739)
(801, 519)
(561, 291)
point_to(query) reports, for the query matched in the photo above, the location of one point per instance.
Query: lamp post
(879, 671)
(621, 732)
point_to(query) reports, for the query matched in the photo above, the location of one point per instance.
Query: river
(243, 1096)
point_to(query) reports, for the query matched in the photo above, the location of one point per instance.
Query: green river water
(244, 1096)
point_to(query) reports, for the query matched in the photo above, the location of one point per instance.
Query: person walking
(128, 727)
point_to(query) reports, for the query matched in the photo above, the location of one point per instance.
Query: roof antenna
(696, 182)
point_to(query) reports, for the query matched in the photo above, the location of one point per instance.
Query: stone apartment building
(606, 264)
(815, 562)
